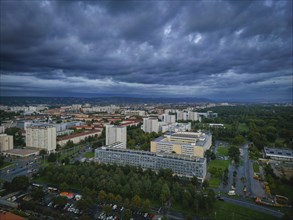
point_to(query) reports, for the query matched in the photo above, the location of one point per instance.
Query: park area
(216, 169)
(224, 210)
(222, 151)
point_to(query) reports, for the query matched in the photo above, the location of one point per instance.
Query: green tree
(239, 139)
(147, 205)
(37, 194)
(136, 201)
(102, 196)
(17, 183)
(52, 157)
(126, 214)
(234, 153)
(107, 209)
(60, 200)
(165, 193)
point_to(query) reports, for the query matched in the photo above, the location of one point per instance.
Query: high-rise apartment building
(150, 125)
(6, 142)
(169, 118)
(115, 133)
(42, 137)
(193, 116)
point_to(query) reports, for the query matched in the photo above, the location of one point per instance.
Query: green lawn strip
(89, 154)
(228, 126)
(214, 182)
(255, 167)
(283, 190)
(223, 164)
(222, 151)
(6, 164)
(68, 154)
(224, 210)
(178, 208)
(243, 127)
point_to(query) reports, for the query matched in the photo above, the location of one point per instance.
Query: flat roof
(9, 216)
(278, 152)
(79, 134)
(158, 154)
(22, 152)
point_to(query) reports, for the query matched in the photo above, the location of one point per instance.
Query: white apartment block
(42, 137)
(134, 112)
(174, 127)
(6, 142)
(168, 118)
(115, 134)
(181, 115)
(2, 129)
(150, 125)
(193, 116)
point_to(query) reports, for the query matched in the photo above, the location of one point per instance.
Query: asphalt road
(254, 206)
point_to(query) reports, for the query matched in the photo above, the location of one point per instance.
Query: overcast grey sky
(222, 50)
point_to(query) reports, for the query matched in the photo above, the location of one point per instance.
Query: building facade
(150, 125)
(179, 164)
(6, 142)
(278, 154)
(185, 143)
(115, 134)
(42, 137)
(76, 138)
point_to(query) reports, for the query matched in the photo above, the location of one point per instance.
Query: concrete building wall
(150, 125)
(180, 165)
(77, 139)
(6, 142)
(42, 136)
(116, 134)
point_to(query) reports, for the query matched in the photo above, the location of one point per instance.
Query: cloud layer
(233, 50)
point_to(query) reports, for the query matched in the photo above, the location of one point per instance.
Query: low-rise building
(186, 143)
(181, 165)
(76, 138)
(278, 154)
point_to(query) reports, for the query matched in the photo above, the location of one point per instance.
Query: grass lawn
(224, 210)
(243, 127)
(228, 126)
(214, 182)
(255, 167)
(6, 164)
(89, 154)
(283, 190)
(178, 208)
(222, 151)
(219, 164)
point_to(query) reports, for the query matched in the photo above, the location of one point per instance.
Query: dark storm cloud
(209, 48)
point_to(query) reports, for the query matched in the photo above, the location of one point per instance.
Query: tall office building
(150, 125)
(6, 142)
(42, 137)
(115, 134)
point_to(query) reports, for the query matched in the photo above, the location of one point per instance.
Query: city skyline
(228, 50)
